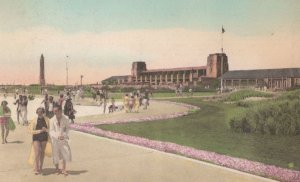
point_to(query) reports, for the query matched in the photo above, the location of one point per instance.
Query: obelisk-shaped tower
(42, 71)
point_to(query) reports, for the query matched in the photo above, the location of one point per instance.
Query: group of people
(50, 137)
(179, 90)
(100, 95)
(133, 101)
(65, 101)
(75, 92)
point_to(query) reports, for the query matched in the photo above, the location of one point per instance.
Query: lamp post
(67, 71)
(81, 76)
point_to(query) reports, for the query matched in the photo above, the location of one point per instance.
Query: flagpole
(222, 42)
(222, 32)
(67, 72)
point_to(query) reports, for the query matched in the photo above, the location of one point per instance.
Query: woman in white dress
(59, 129)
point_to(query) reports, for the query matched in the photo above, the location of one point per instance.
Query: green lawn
(208, 129)
(185, 94)
(118, 95)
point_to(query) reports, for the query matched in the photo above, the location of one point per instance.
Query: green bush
(280, 117)
(291, 95)
(243, 94)
(243, 104)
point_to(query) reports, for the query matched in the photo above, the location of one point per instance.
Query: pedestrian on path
(41, 143)
(46, 103)
(126, 103)
(59, 133)
(61, 100)
(136, 102)
(51, 102)
(5, 114)
(18, 102)
(69, 110)
(23, 109)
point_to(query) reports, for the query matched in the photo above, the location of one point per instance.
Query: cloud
(100, 55)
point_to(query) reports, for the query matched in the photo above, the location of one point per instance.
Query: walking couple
(50, 138)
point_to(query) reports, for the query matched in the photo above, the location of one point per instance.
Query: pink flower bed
(256, 168)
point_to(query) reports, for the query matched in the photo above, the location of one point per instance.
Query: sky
(101, 38)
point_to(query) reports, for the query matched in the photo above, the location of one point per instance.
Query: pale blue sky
(242, 17)
(102, 35)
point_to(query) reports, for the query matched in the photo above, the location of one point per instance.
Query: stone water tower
(42, 71)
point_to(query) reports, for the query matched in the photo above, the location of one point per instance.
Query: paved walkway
(101, 159)
(88, 111)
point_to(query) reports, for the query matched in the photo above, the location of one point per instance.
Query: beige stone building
(273, 79)
(217, 64)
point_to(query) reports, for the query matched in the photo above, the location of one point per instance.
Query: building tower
(137, 69)
(217, 65)
(42, 71)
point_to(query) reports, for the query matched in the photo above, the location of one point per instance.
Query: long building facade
(217, 65)
(272, 79)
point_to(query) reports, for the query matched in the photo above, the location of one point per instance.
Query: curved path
(101, 159)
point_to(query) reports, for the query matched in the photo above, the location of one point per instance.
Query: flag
(223, 30)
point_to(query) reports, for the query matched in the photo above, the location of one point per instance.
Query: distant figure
(147, 96)
(61, 100)
(97, 94)
(126, 103)
(104, 105)
(51, 103)
(69, 110)
(74, 92)
(191, 92)
(145, 102)
(46, 91)
(101, 97)
(94, 95)
(136, 102)
(23, 109)
(46, 103)
(112, 107)
(5, 93)
(180, 89)
(131, 103)
(5, 114)
(105, 97)
(18, 102)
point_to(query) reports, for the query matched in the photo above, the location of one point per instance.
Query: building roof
(116, 77)
(262, 73)
(175, 69)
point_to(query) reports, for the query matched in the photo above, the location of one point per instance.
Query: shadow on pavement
(15, 142)
(50, 171)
